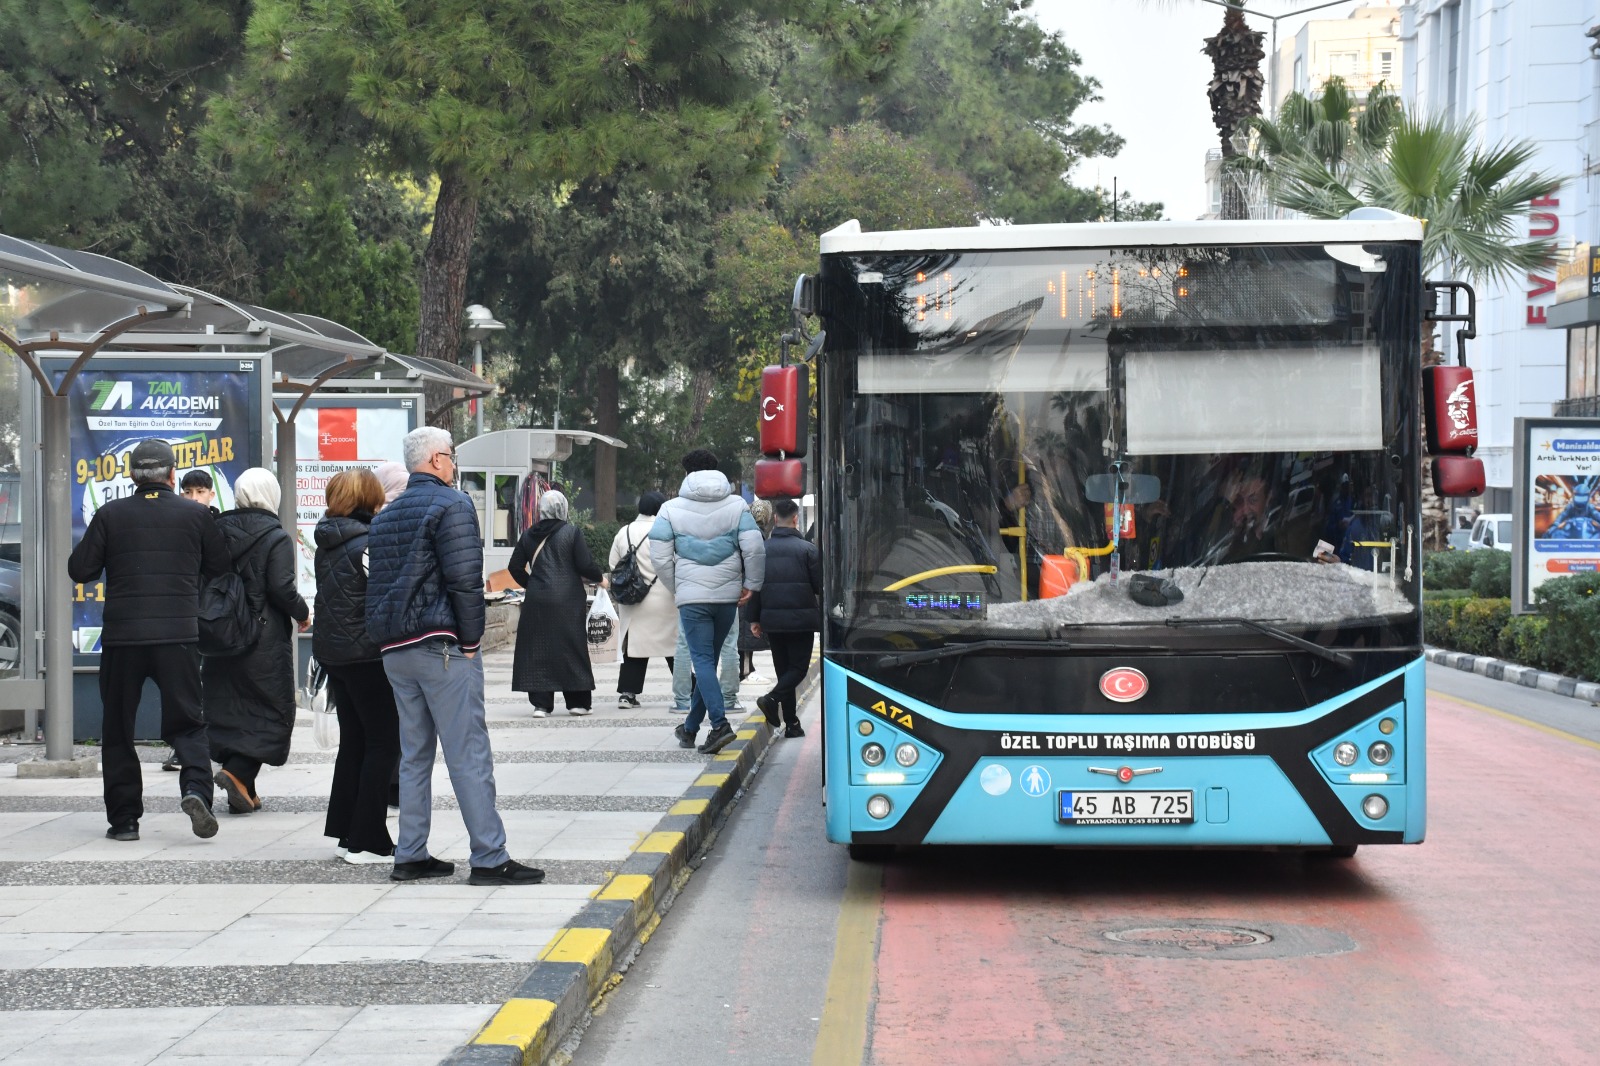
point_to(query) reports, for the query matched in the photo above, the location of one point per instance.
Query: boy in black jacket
(788, 611)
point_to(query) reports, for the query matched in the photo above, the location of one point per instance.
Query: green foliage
(882, 179)
(1447, 569)
(1491, 574)
(1571, 605)
(1484, 573)
(598, 535)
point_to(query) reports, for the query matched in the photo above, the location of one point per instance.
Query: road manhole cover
(1190, 937)
(1218, 940)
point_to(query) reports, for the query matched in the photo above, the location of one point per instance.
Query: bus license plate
(1127, 808)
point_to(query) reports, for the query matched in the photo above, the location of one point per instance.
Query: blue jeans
(439, 695)
(683, 670)
(706, 626)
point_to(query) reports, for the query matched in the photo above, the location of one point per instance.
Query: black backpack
(628, 586)
(227, 625)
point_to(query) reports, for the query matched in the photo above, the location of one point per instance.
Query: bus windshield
(1029, 444)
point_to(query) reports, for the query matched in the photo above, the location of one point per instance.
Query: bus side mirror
(1136, 488)
(1458, 475)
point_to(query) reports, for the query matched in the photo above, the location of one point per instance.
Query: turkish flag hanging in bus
(785, 410)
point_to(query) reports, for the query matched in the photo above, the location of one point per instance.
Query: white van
(1491, 531)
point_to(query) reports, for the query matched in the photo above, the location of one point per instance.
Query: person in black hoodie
(552, 560)
(250, 698)
(156, 550)
(788, 610)
(369, 723)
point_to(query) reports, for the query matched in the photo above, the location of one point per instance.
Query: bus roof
(1363, 226)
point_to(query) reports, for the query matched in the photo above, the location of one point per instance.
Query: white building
(1522, 69)
(1363, 49)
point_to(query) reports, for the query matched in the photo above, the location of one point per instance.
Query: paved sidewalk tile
(261, 946)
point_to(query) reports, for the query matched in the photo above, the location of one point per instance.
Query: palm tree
(1234, 92)
(1332, 128)
(1472, 198)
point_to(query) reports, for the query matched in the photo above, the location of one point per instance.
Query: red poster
(336, 434)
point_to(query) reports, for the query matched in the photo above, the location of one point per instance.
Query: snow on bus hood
(1284, 593)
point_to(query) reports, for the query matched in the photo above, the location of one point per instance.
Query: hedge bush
(1571, 606)
(1486, 573)
(1564, 637)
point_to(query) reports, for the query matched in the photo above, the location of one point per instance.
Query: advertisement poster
(334, 433)
(1562, 483)
(207, 411)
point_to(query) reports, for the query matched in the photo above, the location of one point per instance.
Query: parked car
(1491, 531)
(10, 615)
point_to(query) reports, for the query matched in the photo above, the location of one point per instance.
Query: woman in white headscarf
(552, 561)
(249, 698)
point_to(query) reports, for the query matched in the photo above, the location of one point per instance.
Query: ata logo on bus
(1123, 684)
(894, 714)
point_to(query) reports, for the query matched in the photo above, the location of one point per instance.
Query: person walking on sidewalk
(425, 611)
(708, 552)
(788, 609)
(250, 697)
(552, 561)
(369, 724)
(649, 627)
(156, 549)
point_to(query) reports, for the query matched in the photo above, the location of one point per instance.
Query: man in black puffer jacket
(156, 550)
(788, 611)
(425, 610)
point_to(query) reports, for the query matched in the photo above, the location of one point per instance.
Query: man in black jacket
(788, 611)
(156, 549)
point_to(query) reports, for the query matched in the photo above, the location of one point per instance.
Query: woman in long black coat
(551, 561)
(249, 698)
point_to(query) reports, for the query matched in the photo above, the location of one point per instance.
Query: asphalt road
(1474, 947)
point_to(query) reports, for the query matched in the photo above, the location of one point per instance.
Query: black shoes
(685, 738)
(627, 699)
(794, 731)
(769, 707)
(172, 763)
(201, 820)
(510, 872)
(416, 871)
(124, 832)
(719, 737)
(239, 801)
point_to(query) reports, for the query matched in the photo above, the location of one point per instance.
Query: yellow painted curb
(727, 755)
(746, 734)
(522, 1023)
(661, 842)
(638, 889)
(577, 945)
(712, 780)
(689, 807)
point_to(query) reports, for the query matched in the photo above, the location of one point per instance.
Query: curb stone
(1526, 676)
(585, 959)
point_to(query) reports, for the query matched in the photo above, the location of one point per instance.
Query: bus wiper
(928, 655)
(1341, 658)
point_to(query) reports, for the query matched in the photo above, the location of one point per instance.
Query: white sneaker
(540, 712)
(367, 858)
(342, 852)
(580, 711)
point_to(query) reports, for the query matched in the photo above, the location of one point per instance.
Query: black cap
(150, 456)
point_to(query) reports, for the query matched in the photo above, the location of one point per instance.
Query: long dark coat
(249, 698)
(552, 636)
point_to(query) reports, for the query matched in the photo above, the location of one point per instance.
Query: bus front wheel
(870, 852)
(1343, 851)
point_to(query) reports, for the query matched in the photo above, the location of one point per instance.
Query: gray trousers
(439, 694)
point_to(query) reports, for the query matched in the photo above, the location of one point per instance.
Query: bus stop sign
(785, 410)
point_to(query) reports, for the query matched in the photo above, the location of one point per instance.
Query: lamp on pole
(480, 323)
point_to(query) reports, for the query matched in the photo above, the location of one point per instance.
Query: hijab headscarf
(393, 477)
(553, 505)
(257, 488)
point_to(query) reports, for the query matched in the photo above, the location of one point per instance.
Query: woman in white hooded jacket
(649, 627)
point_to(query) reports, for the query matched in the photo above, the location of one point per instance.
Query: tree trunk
(444, 273)
(607, 420)
(1235, 95)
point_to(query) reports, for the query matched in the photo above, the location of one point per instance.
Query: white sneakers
(367, 858)
(580, 711)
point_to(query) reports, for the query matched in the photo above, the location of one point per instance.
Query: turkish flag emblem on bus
(785, 411)
(1123, 684)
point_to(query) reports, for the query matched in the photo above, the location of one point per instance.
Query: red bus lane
(1479, 946)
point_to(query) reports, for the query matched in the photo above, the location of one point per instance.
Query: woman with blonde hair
(249, 698)
(369, 722)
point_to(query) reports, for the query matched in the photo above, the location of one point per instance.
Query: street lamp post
(480, 323)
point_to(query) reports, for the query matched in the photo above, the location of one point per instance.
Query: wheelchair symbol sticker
(1035, 780)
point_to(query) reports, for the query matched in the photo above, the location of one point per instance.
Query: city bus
(1120, 530)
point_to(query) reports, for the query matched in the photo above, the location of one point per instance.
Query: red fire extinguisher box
(785, 410)
(1450, 407)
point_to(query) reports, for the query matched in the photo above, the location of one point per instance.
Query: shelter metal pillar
(55, 436)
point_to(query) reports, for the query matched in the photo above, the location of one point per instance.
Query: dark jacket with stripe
(341, 631)
(789, 600)
(156, 549)
(425, 568)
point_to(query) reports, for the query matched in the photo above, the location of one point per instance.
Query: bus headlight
(879, 806)
(1380, 753)
(907, 754)
(1344, 753)
(1375, 807)
(872, 754)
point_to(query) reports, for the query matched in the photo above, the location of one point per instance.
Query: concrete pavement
(262, 943)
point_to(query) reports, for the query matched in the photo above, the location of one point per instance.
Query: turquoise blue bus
(1122, 534)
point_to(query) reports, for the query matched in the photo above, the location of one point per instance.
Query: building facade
(1363, 49)
(1518, 69)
